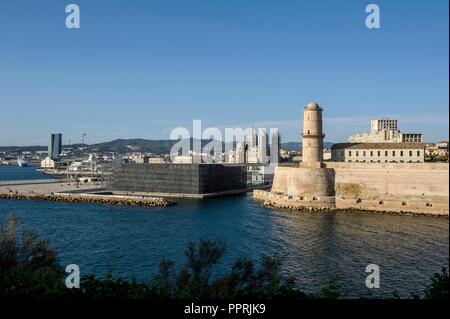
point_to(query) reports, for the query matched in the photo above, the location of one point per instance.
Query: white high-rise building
(251, 139)
(262, 146)
(240, 153)
(255, 149)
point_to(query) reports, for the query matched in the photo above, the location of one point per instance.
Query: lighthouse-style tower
(312, 183)
(312, 135)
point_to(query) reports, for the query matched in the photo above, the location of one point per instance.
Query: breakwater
(100, 199)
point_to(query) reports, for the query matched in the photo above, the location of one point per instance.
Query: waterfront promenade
(35, 187)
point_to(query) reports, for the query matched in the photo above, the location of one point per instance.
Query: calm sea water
(8, 173)
(315, 246)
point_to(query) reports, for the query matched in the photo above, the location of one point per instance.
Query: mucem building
(172, 179)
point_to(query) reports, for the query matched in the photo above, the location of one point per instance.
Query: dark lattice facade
(176, 178)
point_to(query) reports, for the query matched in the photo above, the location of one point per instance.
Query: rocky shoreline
(270, 204)
(150, 202)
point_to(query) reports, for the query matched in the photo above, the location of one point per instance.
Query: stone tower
(311, 184)
(312, 134)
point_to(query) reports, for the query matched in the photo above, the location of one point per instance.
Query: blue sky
(137, 69)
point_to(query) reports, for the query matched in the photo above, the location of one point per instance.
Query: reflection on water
(315, 246)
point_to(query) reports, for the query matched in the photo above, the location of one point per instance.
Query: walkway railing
(36, 181)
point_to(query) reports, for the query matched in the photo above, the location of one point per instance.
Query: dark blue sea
(315, 247)
(8, 173)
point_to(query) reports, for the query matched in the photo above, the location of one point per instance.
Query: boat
(23, 161)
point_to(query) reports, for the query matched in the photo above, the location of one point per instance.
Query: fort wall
(421, 188)
(370, 180)
(405, 187)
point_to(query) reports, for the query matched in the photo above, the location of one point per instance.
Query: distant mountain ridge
(157, 147)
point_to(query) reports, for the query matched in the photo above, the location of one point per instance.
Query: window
(349, 153)
(385, 153)
(401, 153)
(379, 153)
(371, 153)
(357, 153)
(393, 153)
(410, 153)
(418, 153)
(364, 153)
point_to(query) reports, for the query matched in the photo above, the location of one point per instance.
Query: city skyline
(139, 70)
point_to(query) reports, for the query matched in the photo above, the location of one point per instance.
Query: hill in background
(157, 147)
(163, 146)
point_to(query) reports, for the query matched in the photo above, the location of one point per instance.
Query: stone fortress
(419, 188)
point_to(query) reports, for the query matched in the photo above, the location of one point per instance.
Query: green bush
(438, 289)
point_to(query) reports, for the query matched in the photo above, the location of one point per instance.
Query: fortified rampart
(421, 188)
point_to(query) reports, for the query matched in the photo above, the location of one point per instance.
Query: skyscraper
(275, 148)
(262, 146)
(55, 145)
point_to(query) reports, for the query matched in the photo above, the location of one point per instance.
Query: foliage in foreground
(29, 269)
